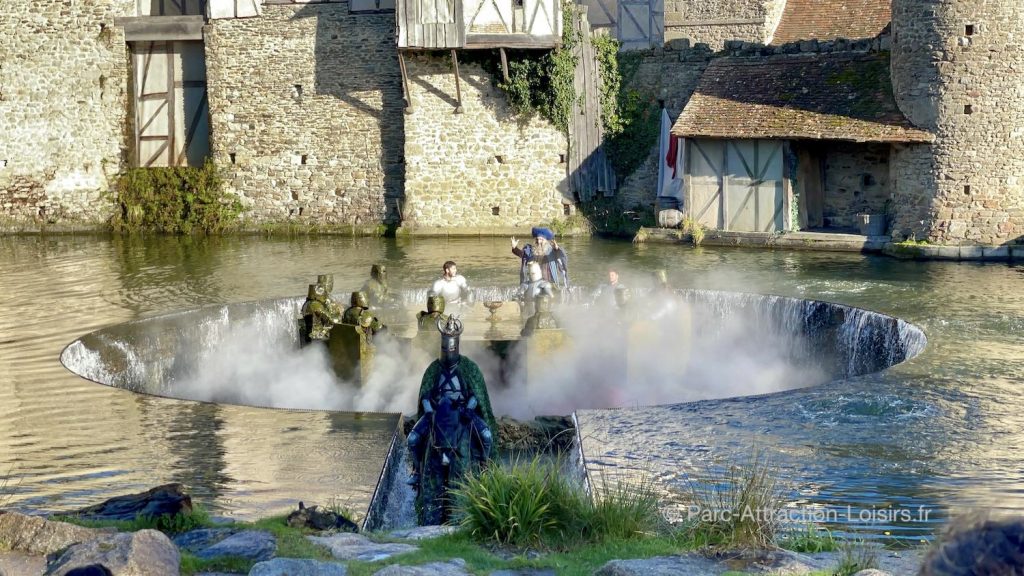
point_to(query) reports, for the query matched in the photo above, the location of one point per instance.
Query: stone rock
(142, 553)
(14, 563)
(37, 535)
(196, 540)
(297, 567)
(319, 519)
(454, 567)
(871, 572)
(358, 547)
(255, 545)
(166, 500)
(524, 572)
(422, 532)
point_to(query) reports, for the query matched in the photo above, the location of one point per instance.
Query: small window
(969, 30)
(232, 156)
(968, 109)
(967, 189)
(495, 211)
(303, 159)
(566, 209)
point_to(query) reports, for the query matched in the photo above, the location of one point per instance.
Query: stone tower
(958, 70)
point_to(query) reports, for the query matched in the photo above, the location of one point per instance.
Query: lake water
(942, 431)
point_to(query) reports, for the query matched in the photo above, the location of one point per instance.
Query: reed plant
(534, 504)
(736, 508)
(856, 556)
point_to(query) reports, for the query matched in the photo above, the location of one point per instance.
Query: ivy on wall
(173, 200)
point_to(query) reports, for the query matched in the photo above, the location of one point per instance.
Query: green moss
(174, 200)
(168, 524)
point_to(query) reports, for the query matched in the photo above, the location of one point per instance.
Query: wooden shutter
(154, 104)
(641, 23)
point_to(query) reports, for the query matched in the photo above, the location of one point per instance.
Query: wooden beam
(458, 85)
(405, 82)
(504, 63)
(511, 41)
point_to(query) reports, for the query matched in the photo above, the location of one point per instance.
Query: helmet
(450, 330)
(378, 272)
(435, 303)
(327, 281)
(359, 299)
(661, 278)
(312, 293)
(533, 272)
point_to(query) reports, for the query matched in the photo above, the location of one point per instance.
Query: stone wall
(856, 181)
(716, 21)
(482, 168)
(306, 113)
(669, 75)
(63, 109)
(957, 71)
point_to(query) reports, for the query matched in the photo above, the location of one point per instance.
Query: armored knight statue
(319, 314)
(455, 428)
(427, 320)
(376, 288)
(358, 314)
(543, 319)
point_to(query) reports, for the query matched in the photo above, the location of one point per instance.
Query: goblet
(493, 306)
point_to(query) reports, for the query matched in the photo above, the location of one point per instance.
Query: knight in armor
(359, 314)
(543, 319)
(532, 288)
(455, 428)
(376, 288)
(427, 320)
(319, 314)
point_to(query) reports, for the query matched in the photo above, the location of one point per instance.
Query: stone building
(319, 113)
(906, 114)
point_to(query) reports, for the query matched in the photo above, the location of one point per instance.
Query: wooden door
(154, 103)
(705, 160)
(641, 24)
(172, 124)
(753, 190)
(812, 194)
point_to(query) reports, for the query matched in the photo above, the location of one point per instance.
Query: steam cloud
(673, 352)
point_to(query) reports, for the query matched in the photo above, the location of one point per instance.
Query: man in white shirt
(451, 285)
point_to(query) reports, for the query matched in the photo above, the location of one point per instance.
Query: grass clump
(695, 229)
(809, 540)
(856, 556)
(738, 508)
(173, 200)
(532, 504)
(166, 523)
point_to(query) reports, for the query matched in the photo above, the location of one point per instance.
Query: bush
(173, 200)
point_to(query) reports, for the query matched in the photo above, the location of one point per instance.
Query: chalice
(493, 306)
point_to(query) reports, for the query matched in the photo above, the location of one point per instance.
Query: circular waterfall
(707, 345)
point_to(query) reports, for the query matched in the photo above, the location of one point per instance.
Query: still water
(943, 431)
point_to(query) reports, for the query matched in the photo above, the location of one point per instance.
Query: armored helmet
(435, 303)
(327, 281)
(450, 330)
(378, 272)
(359, 299)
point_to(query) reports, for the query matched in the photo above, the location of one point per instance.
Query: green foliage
(809, 540)
(291, 542)
(694, 228)
(607, 50)
(166, 523)
(737, 508)
(639, 123)
(542, 83)
(576, 223)
(174, 200)
(532, 504)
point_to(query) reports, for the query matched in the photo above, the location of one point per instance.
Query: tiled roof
(831, 19)
(828, 96)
